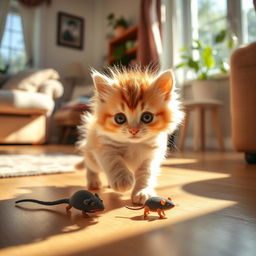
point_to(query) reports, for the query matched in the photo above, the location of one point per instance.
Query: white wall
(58, 57)
(94, 12)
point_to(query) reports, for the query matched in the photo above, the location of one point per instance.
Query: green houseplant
(206, 64)
(118, 24)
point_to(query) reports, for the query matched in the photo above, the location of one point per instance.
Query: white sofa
(26, 102)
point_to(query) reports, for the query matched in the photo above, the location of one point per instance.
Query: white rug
(14, 165)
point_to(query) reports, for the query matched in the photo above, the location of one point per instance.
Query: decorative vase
(119, 30)
(204, 90)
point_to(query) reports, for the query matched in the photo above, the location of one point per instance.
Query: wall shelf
(129, 36)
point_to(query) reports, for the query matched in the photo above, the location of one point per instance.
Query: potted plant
(118, 24)
(206, 64)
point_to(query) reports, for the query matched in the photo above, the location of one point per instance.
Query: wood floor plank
(215, 214)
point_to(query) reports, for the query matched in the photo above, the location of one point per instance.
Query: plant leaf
(198, 45)
(180, 65)
(223, 66)
(203, 76)
(233, 41)
(183, 49)
(220, 37)
(111, 16)
(207, 57)
(193, 64)
(118, 51)
(185, 56)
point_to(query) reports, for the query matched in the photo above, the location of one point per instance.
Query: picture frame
(70, 30)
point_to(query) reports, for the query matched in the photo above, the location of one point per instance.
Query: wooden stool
(199, 123)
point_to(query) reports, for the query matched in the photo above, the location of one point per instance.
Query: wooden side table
(199, 108)
(68, 118)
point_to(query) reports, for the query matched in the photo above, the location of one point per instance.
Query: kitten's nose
(134, 131)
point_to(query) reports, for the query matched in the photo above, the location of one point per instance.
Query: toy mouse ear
(163, 202)
(169, 199)
(86, 201)
(97, 195)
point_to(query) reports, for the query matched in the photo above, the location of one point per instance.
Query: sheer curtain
(28, 23)
(4, 8)
(167, 58)
(174, 36)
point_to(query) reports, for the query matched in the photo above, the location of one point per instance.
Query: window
(203, 20)
(212, 18)
(208, 19)
(12, 49)
(248, 21)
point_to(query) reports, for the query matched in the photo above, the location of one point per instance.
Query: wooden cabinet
(123, 49)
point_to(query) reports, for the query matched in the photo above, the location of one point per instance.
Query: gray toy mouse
(82, 200)
(155, 204)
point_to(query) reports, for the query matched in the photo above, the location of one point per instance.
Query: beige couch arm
(52, 88)
(243, 98)
(30, 80)
(20, 102)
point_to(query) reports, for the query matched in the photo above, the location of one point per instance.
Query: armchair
(243, 100)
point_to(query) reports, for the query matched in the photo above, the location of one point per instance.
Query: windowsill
(219, 78)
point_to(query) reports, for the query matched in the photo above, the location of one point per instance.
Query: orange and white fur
(126, 134)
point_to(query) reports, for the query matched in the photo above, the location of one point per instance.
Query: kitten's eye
(147, 117)
(120, 118)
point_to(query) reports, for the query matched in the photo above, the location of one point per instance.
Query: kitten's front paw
(140, 196)
(93, 180)
(122, 182)
(94, 184)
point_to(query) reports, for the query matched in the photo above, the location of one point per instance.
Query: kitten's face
(133, 107)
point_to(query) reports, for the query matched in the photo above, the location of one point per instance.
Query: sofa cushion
(19, 102)
(30, 80)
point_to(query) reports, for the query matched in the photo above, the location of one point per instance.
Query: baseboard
(211, 143)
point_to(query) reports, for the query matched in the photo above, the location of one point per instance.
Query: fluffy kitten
(126, 134)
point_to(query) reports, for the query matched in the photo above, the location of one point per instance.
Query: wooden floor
(215, 214)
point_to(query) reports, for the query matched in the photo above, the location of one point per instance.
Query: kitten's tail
(134, 208)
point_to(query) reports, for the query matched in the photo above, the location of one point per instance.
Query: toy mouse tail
(62, 201)
(134, 208)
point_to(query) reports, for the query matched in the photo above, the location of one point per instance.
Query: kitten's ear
(164, 83)
(102, 84)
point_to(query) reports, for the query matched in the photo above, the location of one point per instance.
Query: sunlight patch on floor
(180, 161)
(132, 223)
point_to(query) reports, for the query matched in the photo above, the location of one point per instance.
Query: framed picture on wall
(70, 31)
